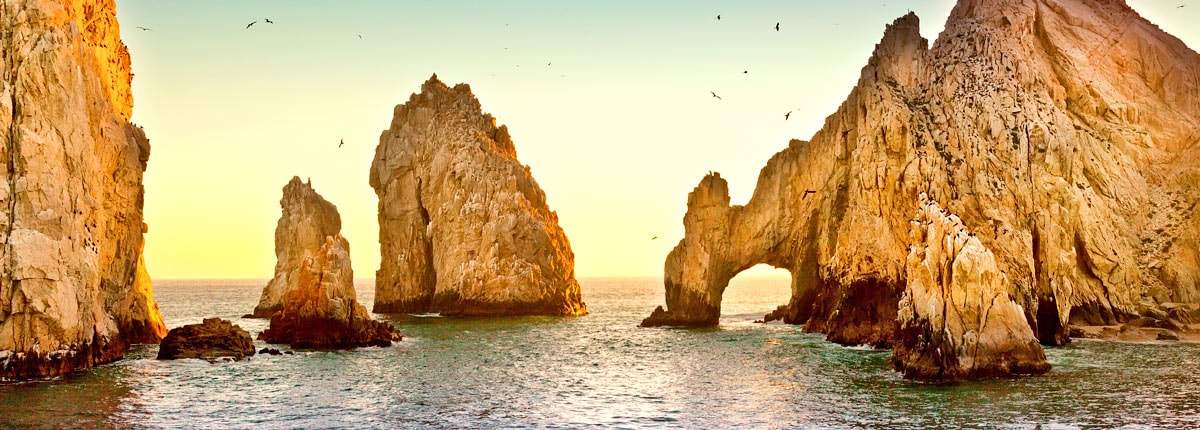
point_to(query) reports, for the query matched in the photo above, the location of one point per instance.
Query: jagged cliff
(463, 227)
(1063, 133)
(301, 231)
(955, 318)
(70, 191)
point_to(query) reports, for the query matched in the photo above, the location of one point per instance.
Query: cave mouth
(755, 292)
(1049, 329)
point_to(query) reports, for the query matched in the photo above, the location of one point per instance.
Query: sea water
(598, 370)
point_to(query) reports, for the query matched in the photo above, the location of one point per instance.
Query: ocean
(595, 371)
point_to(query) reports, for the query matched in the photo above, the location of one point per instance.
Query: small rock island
(319, 307)
(463, 227)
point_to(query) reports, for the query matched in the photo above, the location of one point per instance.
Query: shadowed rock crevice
(463, 227)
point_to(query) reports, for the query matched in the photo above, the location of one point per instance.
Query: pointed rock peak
(433, 84)
(899, 53)
(712, 190)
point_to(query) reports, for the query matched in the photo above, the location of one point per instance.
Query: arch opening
(755, 292)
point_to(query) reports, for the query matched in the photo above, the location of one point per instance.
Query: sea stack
(1072, 156)
(313, 290)
(301, 231)
(72, 295)
(463, 227)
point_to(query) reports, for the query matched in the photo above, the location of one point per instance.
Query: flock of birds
(787, 114)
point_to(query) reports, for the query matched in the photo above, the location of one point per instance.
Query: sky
(608, 103)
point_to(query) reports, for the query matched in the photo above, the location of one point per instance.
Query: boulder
(214, 339)
(463, 227)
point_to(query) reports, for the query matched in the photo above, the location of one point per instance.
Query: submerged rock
(956, 319)
(215, 338)
(73, 290)
(1077, 168)
(464, 228)
(322, 311)
(306, 221)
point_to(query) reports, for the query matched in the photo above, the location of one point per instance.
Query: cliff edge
(70, 191)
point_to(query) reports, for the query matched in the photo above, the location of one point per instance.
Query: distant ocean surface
(600, 371)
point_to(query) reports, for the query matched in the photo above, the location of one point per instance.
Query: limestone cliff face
(322, 311)
(464, 229)
(301, 231)
(1064, 133)
(70, 191)
(956, 319)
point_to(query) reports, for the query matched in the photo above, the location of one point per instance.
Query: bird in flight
(718, 17)
(1180, 6)
(341, 142)
(359, 37)
(786, 115)
(745, 72)
(144, 29)
(655, 237)
(269, 20)
(777, 26)
(715, 95)
(806, 193)
(251, 23)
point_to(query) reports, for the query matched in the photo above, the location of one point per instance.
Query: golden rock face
(463, 227)
(71, 295)
(1062, 134)
(306, 220)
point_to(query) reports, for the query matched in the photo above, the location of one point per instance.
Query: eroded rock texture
(70, 191)
(956, 319)
(322, 311)
(1063, 133)
(464, 229)
(301, 231)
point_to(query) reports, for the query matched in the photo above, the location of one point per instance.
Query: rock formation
(215, 338)
(1063, 133)
(321, 311)
(464, 229)
(956, 320)
(70, 191)
(307, 220)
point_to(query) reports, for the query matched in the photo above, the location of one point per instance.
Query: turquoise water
(598, 371)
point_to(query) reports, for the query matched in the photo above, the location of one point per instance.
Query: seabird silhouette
(341, 142)
(786, 115)
(655, 237)
(144, 29)
(251, 23)
(715, 95)
(777, 26)
(268, 20)
(718, 17)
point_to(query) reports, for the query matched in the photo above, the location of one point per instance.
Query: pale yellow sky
(617, 129)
